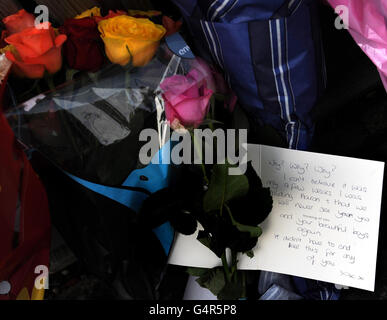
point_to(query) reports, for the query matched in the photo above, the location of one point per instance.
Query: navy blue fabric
(271, 54)
(276, 286)
(316, 290)
(276, 292)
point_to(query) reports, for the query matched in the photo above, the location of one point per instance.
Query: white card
(324, 224)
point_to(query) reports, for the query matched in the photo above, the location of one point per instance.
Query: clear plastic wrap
(90, 126)
(88, 133)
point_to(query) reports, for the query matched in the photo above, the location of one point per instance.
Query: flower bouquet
(81, 95)
(97, 82)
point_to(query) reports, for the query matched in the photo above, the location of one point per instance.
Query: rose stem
(199, 152)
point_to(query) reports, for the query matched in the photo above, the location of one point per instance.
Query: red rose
(19, 21)
(16, 23)
(83, 50)
(37, 50)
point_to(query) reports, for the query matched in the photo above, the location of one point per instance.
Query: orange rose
(129, 39)
(19, 21)
(36, 50)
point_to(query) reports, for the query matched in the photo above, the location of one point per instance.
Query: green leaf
(232, 291)
(255, 232)
(223, 188)
(197, 272)
(249, 253)
(213, 280)
(204, 239)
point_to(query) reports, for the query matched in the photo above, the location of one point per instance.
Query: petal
(176, 83)
(60, 40)
(84, 55)
(142, 51)
(191, 93)
(170, 112)
(117, 51)
(202, 71)
(193, 111)
(188, 112)
(52, 60)
(32, 42)
(178, 88)
(19, 21)
(171, 26)
(24, 70)
(86, 28)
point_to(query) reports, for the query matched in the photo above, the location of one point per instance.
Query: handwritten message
(325, 220)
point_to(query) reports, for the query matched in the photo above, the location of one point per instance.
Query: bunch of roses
(125, 37)
(33, 50)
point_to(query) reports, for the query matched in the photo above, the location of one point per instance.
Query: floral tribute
(86, 42)
(229, 208)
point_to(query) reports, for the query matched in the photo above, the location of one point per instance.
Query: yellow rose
(93, 12)
(129, 39)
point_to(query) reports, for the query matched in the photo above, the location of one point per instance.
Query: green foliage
(223, 188)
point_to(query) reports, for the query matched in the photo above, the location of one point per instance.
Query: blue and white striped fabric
(272, 57)
(271, 53)
(276, 286)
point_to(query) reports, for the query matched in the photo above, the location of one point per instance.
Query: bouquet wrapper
(87, 133)
(367, 25)
(24, 218)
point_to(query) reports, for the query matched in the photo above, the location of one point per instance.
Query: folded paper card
(324, 224)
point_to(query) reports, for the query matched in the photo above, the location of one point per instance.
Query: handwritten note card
(324, 224)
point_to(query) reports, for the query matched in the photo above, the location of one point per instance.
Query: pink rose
(216, 83)
(205, 72)
(186, 98)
